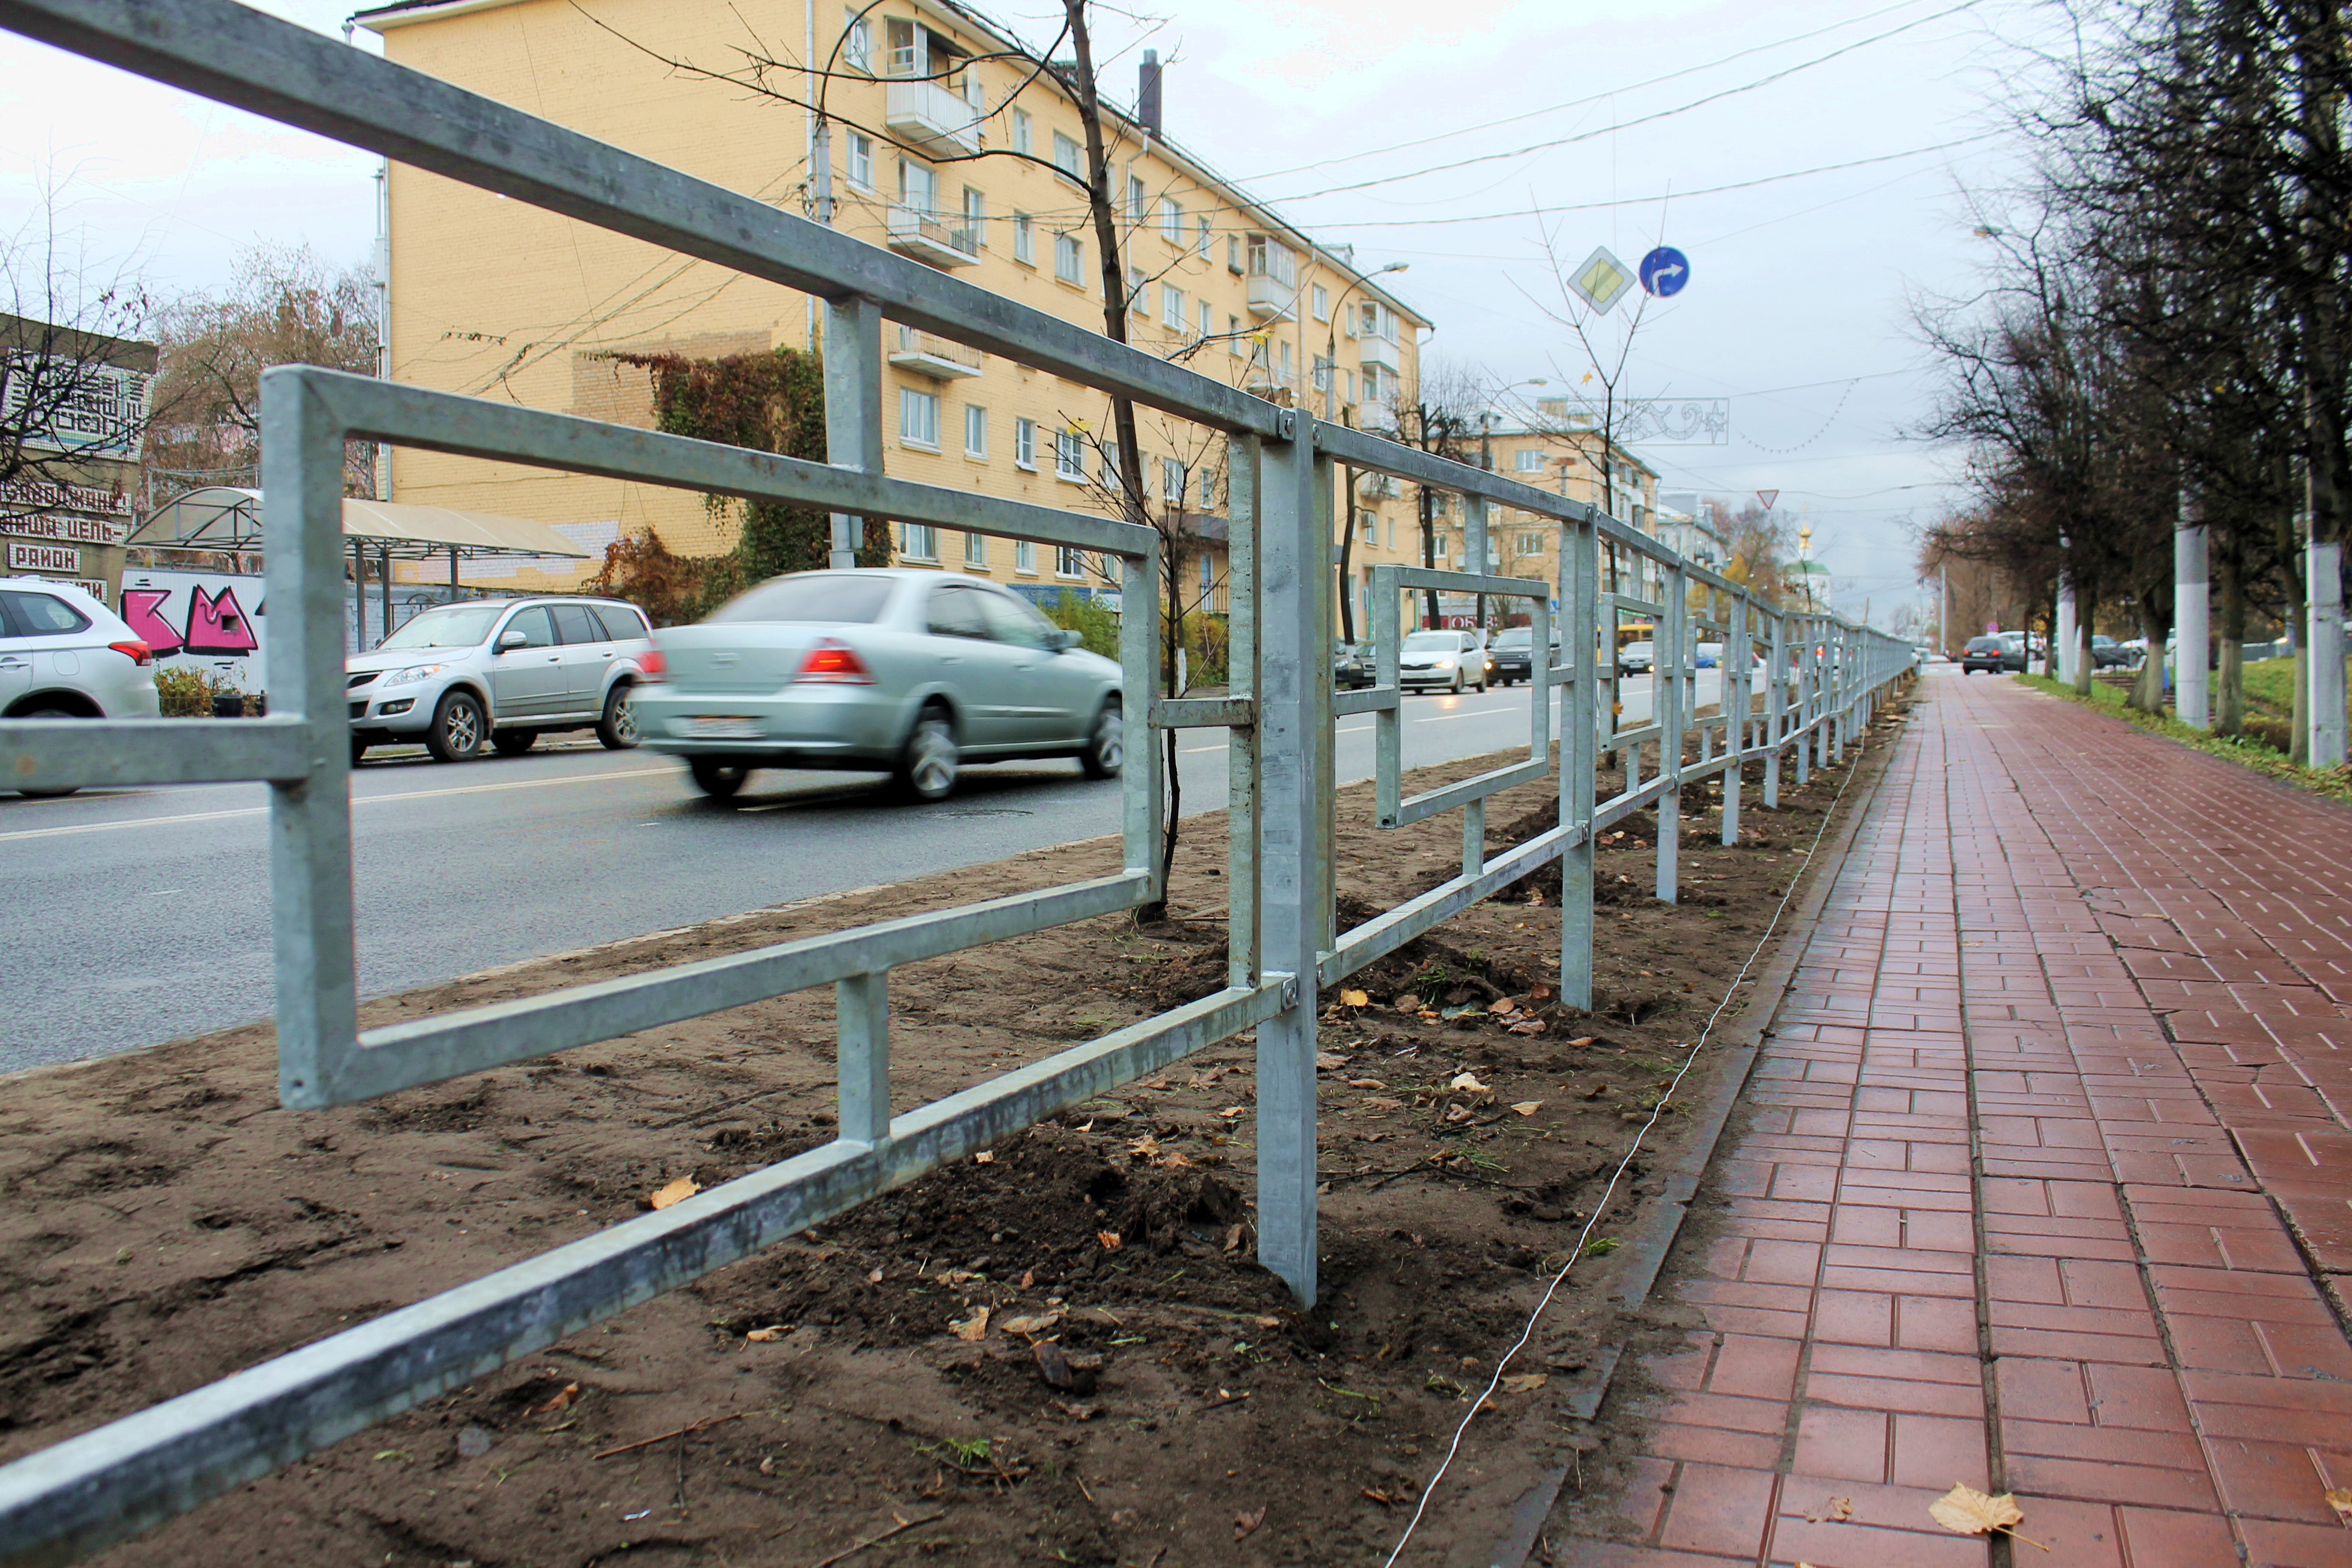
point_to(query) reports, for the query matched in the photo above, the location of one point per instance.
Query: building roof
(408, 13)
(220, 517)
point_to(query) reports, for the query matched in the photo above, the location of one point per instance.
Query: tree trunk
(1428, 549)
(2155, 623)
(2085, 667)
(2230, 683)
(1347, 554)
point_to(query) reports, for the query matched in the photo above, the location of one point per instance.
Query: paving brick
(1719, 1509)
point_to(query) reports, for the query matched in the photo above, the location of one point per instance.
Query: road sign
(1767, 498)
(1602, 281)
(1664, 272)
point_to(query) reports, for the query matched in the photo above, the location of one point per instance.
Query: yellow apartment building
(941, 140)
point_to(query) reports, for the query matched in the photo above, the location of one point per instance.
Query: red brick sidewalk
(2048, 1186)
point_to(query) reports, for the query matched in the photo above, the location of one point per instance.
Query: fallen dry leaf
(1244, 1524)
(1579, 1044)
(1467, 1082)
(1173, 1161)
(1109, 1240)
(1525, 1382)
(1529, 1107)
(1529, 1027)
(1841, 1508)
(1325, 1061)
(2340, 1499)
(1079, 1412)
(677, 1190)
(1539, 992)
(1458, 1113)
(988, 1157)
(1028, 1278)
(875, 1278)
(1964, 1511)
(770, 1334)
(974, 1328)
(1144, 1148)
(1354, 999)
(1234, 1236)
(1374, 1494)
(1265, 1321)
(1367, 1083)
(1230, 1111)
(1037, 1323)
(562, 1400)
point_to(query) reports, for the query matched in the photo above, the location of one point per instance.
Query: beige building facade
(941, 140)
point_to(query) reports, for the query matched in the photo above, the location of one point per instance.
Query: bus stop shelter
(225, 518)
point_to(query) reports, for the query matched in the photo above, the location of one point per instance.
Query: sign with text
(22, 557)
(79, 406)
(27, 493)
(66, 530)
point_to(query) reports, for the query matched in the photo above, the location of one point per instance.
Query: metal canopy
(221, 517)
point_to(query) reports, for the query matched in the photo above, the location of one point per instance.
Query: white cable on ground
(1616, 1175)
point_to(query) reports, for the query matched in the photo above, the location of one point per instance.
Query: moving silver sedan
(896, 670)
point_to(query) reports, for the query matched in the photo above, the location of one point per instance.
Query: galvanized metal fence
(1815, 681)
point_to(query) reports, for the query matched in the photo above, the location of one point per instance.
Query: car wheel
(49, 793)
(717, 777)
(1106, 750)
(926, 766)
(359, 750)
(458, 727)
(513, 742)
(617, 730)
(1456, 687)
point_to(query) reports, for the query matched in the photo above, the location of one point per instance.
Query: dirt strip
(1059, 1350)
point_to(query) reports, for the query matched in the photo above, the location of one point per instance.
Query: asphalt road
(143, 915)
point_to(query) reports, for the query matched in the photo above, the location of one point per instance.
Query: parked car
(883, 669)
(1351, 666)
(63, 655)
(1449, 659)
(1993, 653)
(2106, 653)
(1711, 655)
(1635, 658)
(1512, 652)
(501, 673)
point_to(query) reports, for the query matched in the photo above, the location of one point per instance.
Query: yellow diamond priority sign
(1603, 281)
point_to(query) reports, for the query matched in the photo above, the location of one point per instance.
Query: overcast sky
(1801, 290)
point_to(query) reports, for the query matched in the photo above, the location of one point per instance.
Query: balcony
(932, 118)
(1270, 296)
(927, 237)
(933, 356)
(1381, 352)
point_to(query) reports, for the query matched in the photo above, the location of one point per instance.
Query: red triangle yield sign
(1767, 497)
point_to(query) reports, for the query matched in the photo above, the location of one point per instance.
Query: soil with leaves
(1059, 1350)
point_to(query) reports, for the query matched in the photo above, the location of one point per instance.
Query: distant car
(1993, 653)
(1635, 658)
(2106, 653)
(501, 673)
(1351, 666)
(887, 669)
(1711, 655)
(63, 655)
(1449, 659)
(1512, 651)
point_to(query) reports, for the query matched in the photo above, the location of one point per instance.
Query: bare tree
(1439, 415)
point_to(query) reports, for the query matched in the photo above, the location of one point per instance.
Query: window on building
(1069, 455)
(1233, 253)
(1172, 220)
(858, 43)
(1375, 320)
(918, 419)
(975, 430)
(919, 187)
(1288, 366)
(1172, 482)
(1208, 487)
(1025, 444)
(919, 542)
(1531, 461)
(1139, 292)
(1201, 231)
(1437, 544)
(975, 551)
(1024, 133)
(1368, 525)
(1348, 381)
(1530, 544)
(1070, 260)
(1172, 306)
(1321, 301)
(1269, 258)
(1139, 200)
(1232, 334)
(1322, 374)
(861, 160)
(1025, 240)
(1375, 381)
(1109, 454)
(975, 220)
(1069, 562)
(1069, 158)
(1208, 319)
(909, 43)
(1024, 556)
(1208, 574)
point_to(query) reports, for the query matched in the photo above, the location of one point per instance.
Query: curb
(1661, 1227)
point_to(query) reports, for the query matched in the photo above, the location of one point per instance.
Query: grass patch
(2247, 753)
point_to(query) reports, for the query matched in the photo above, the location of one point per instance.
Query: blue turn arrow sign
(1664, 272)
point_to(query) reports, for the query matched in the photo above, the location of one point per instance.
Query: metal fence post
(310, 919)
(1583, 699)
(1293, 793)
(1735, 680)
(1776, 703)
(1802, 700)
(862, 1003)
(853, 406)
(1241, 949)
(1671, 655)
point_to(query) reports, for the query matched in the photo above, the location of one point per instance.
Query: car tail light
(652, 667)
(137, 652)
(832, 663)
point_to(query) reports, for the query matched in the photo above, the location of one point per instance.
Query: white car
(500, 673)
(1430, 659)
(63, 655)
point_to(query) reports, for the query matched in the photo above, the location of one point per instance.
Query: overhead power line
(1716, 97)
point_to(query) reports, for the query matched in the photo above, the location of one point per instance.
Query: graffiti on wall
(199, 616)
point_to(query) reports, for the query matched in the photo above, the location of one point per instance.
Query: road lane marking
(356, 800)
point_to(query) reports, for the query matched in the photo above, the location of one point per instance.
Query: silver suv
(502, 672)
(63, 655)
